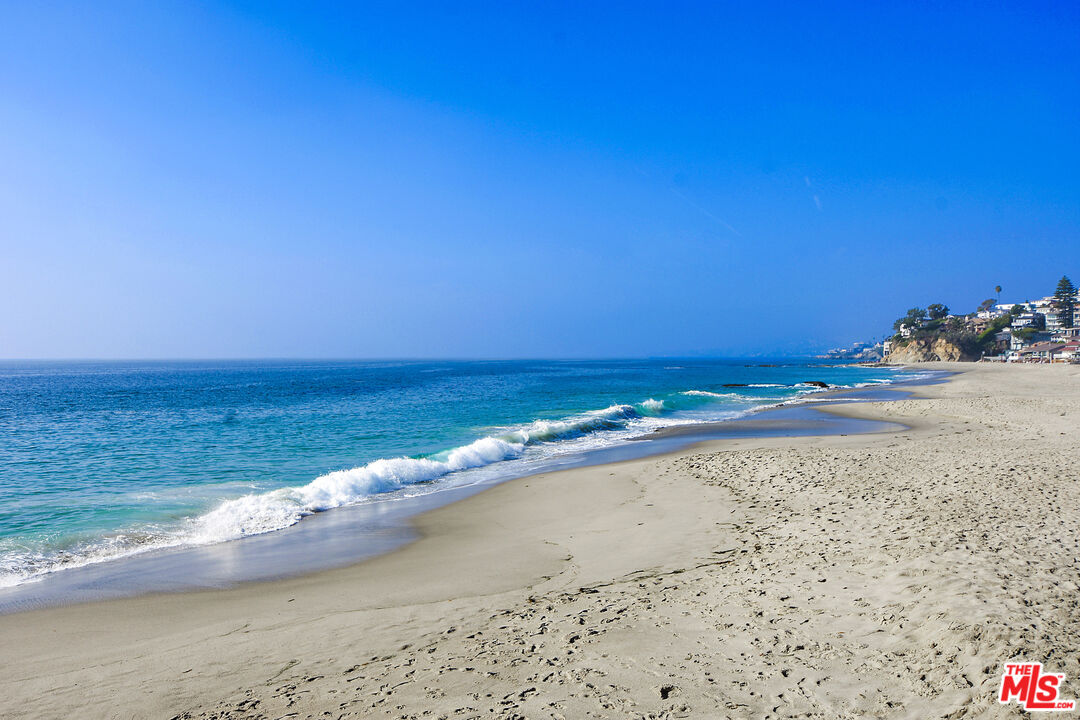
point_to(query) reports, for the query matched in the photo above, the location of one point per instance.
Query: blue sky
(524, 180)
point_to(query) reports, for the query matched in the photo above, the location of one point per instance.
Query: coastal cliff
(928, 350)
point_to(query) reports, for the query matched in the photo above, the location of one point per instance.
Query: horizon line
(389, 358)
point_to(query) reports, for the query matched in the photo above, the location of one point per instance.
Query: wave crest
(264, 512)
(706, 393)
(259, 513)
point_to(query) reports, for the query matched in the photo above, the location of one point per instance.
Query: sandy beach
(881, 575)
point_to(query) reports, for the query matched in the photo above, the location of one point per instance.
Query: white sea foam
(263, 512)
(260, 512)
(706, 393)
(257, 513)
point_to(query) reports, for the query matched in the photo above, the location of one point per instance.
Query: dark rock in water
(815, 383)
(735, 385)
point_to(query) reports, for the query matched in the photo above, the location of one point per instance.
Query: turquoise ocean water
(102, 460)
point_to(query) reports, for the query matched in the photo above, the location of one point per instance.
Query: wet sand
(880, 575)
(348, 535)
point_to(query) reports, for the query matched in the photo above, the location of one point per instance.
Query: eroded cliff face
(916, 351)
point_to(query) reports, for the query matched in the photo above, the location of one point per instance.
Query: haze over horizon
(232, 179)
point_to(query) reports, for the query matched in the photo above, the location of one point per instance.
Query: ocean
(105, 460)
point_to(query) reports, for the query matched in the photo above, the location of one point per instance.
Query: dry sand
(885, 575)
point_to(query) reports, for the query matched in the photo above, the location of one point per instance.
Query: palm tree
(997, 289)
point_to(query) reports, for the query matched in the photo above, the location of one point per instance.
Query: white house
(1069, 352)
(1027, 319)
(1066, 334)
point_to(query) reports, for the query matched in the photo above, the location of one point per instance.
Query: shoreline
(351, 534)
(869, 575)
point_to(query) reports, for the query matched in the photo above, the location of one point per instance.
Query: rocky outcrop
(929, 350)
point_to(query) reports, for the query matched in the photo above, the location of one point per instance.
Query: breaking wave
(706, 393)
(258, 513)
(263, 512)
